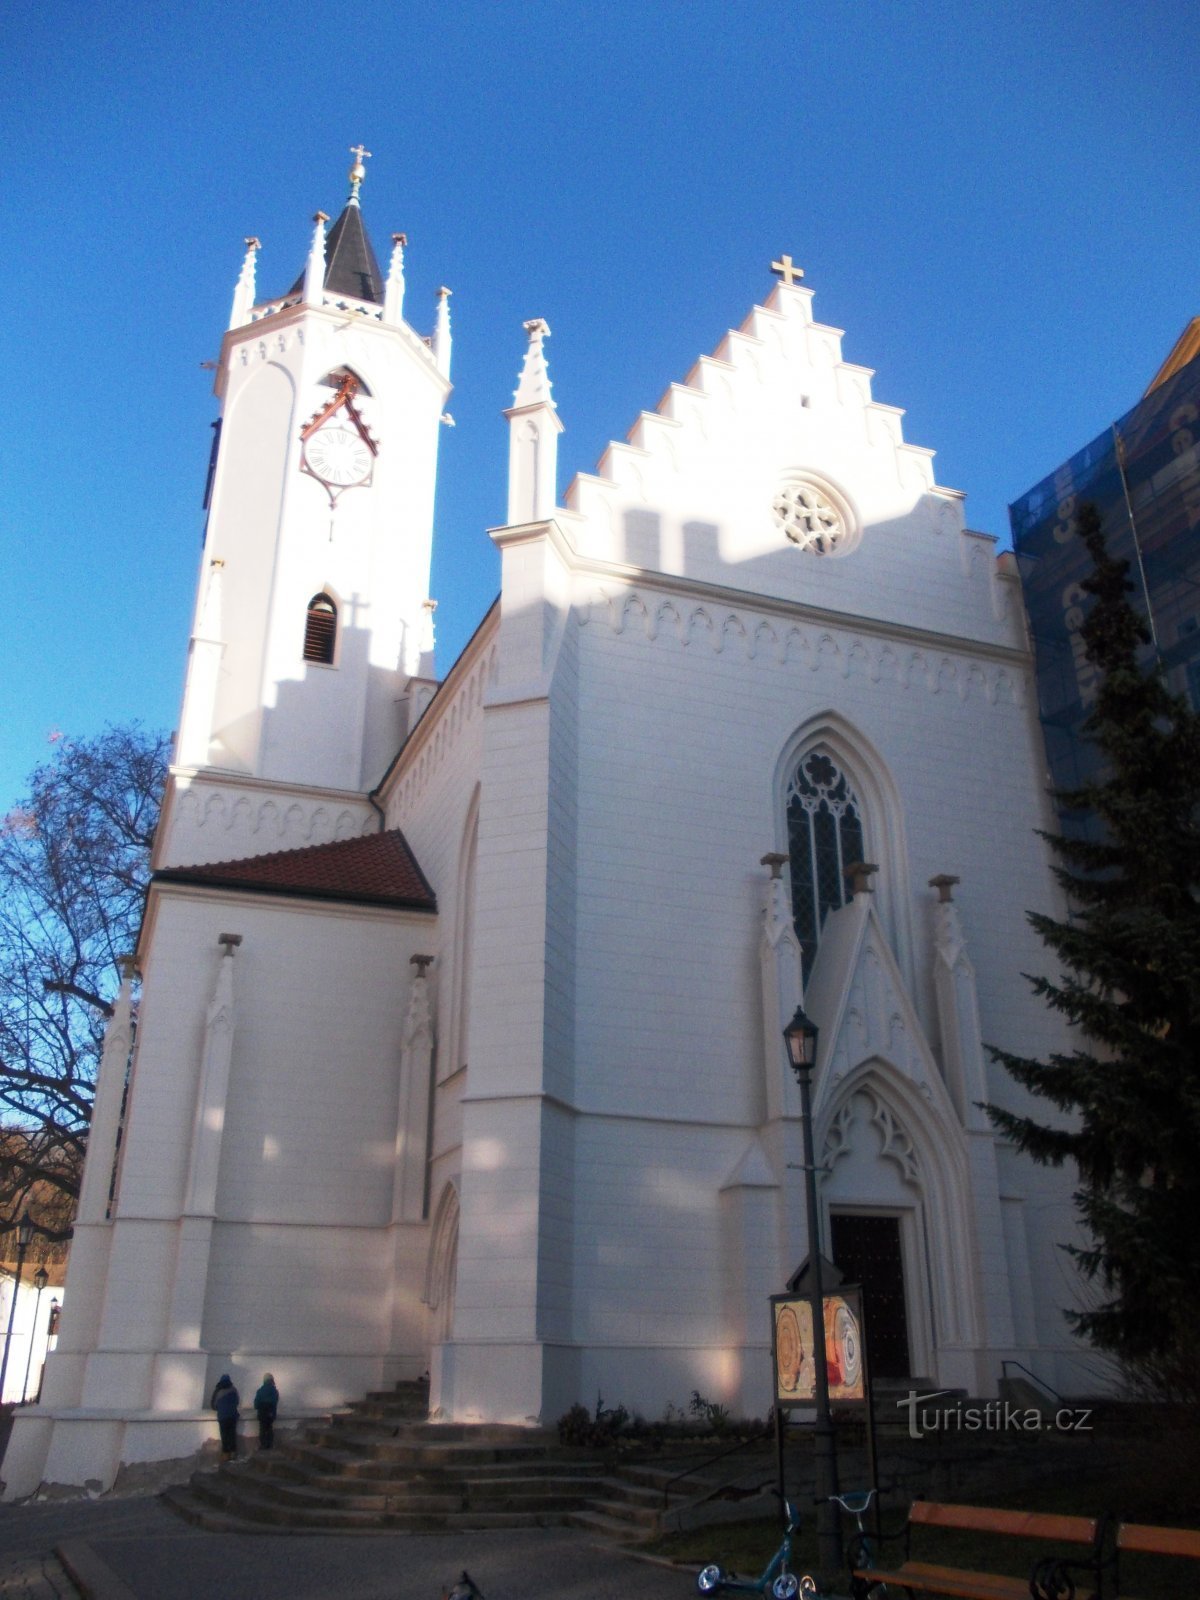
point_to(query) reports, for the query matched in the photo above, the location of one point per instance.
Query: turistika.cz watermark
(995, 1416)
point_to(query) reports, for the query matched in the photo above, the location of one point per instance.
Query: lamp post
(800, 1038)
(24, 1240)
(41, 1278)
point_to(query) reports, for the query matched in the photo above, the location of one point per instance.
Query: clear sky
(998, 202)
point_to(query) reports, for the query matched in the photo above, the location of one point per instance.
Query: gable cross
(787, 270)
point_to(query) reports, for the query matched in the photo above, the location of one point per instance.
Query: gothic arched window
(320, 630)
(825, 836)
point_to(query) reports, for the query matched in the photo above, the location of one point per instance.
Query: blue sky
(998, 203)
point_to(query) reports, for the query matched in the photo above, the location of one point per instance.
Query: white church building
(459, 1046)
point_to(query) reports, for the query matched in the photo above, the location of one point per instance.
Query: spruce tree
(1130, 985)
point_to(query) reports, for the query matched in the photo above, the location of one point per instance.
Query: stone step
(231, 1494)
(307, 1460)
(613, 1529)
(481, 1521)
(404, 1394)
(373, 1468)
(624, 1512)
(632, 1494)
(361, 1418)
(242, 1504)
(526, 1492)
(180, 1499)
(416, 1455)
(650, 1477)
(337, 1496)
(517, 1494)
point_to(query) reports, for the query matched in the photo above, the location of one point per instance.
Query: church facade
(459, 1042)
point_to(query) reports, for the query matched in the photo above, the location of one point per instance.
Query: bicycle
(777, 1579)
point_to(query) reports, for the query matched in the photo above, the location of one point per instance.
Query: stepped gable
(379, 869)
(777, 376)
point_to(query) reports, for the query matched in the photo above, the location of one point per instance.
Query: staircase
(379, 1466)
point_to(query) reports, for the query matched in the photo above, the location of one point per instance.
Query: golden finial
(358, 171)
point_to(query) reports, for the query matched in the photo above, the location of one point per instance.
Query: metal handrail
(731, 1450)
(1041, 1382)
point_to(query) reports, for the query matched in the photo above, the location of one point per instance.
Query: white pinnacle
(533, 387)
(533, 428)
(393, 294)
(441, 333)
(243, 294)
(314, 272)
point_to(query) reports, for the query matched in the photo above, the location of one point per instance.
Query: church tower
(312, 612)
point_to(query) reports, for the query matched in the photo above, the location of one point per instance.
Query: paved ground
(144, 1552)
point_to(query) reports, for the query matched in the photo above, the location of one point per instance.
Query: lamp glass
(41, 1278)
(25, 1232)
(800, 1037)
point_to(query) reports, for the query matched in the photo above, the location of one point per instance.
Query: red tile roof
(378, 870)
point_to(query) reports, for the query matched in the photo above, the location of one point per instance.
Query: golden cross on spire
(785, 268)
(358, 172)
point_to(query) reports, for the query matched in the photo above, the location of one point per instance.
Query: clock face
(338, 456)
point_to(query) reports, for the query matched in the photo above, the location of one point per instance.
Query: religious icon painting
(795, 1374)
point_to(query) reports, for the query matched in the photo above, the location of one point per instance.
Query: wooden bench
(923, 1577)
(1135, 1538)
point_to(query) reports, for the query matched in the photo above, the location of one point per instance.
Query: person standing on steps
(266, 1404)
(224, 1402)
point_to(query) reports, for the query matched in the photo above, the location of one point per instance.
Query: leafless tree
(74, 862)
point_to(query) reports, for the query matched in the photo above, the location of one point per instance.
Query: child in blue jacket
(224, 1402)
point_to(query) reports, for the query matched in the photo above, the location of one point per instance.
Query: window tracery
(825, 835)
(815, 515)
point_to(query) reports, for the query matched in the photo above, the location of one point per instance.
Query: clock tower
(313, 621)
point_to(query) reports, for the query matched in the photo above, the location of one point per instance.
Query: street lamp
(25, 1232)
(800, 1038)
(41, 1278)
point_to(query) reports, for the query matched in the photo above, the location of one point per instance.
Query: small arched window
(320, 630)
(825, 836)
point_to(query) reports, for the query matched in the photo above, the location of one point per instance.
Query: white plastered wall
(703, 644)
(292, 1269)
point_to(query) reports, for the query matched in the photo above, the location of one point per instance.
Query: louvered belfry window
(320, 630)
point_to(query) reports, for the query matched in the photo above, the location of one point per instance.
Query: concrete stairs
(628, 1504)
(378, 1466)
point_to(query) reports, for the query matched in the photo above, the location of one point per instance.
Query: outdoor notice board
(792, 1346)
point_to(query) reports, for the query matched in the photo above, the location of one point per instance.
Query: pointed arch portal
(897, 1201)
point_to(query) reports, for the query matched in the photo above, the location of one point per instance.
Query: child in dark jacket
(266, 1404)
(224, 1402)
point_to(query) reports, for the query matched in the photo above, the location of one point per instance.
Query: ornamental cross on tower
(785, 269)
(358, 172)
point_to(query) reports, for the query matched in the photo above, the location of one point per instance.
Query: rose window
(809, 518)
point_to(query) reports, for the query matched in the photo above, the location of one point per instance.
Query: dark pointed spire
(350, 264)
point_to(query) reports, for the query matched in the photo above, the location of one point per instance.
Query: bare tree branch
(74, 862)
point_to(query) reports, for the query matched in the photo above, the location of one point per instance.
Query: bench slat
(1159, 1541)
(990, 1519)
(950, 1581)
